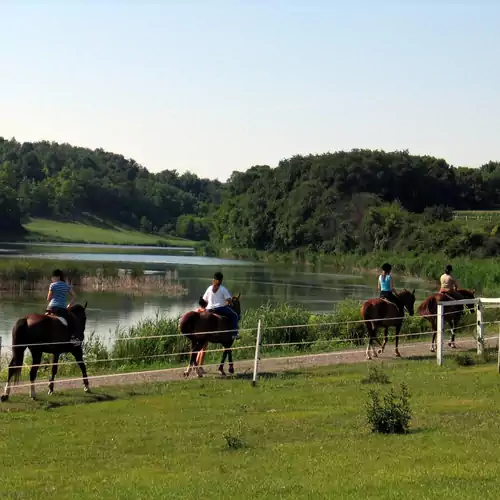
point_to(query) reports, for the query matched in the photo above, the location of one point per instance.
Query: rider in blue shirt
(386, 287)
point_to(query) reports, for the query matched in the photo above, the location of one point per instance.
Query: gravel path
(267, 365)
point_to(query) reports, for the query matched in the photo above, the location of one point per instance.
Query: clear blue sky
(216, 86)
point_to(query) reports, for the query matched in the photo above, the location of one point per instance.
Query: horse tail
(20, 336)
(428, 306)
(187, 322)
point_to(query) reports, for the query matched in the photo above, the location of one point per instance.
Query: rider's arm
(72, 294)
(49, 295)
(227, 296)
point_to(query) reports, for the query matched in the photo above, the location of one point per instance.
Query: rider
(57, 298)
(449, 284)
(386, 287)
(218, 300)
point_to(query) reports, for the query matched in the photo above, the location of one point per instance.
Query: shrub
(233, 438)
(392, 415)
(465, 359)
(376, 376)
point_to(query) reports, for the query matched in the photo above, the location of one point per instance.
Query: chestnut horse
(453, 314)
(45, 333)
(201, 327)
(380, 313)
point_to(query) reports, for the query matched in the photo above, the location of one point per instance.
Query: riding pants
(227, 312)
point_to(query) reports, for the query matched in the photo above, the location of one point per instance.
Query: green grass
(304, 434)
(90, 232)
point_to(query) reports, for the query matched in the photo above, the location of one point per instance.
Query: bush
(465, 359)
(376, 376)
(233, 438)
(393, 415)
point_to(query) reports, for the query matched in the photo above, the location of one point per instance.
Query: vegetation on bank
(169, 440)
(93, 230)
(19, 275)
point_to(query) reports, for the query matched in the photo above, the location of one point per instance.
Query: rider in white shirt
(218, 300)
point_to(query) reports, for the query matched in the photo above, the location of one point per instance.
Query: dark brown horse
(453, 314)
(46, 333)
(195, 325)
(380, 313)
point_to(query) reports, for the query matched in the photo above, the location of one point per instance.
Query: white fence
(480, 304)
(260, 330)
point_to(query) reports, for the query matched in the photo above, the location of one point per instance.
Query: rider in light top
(218, 300)
(448, 283)
(385, 285)
(58, 291)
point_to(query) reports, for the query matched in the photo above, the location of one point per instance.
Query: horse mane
(77, 308)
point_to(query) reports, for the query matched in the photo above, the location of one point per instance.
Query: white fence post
(480, 328)
(258, 342)
(498, 362)
(440, 331)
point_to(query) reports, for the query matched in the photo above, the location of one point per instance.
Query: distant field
(87, 232)
(304, 434)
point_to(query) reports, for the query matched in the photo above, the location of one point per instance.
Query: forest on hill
(344, 202)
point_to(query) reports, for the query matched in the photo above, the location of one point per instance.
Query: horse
(388, 315)
(428, 309)
(46, 333)
(206, 326)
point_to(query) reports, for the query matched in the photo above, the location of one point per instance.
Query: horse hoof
(380, 351)
(397, 354)
(4, 398)
(432, 349)
(49, 392)
(186, 374)
(200, 375)
(368, 358)
(86, 389)
(222, 372)
(231, 370)
(452, 345)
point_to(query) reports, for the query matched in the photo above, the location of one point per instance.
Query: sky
(217, 86)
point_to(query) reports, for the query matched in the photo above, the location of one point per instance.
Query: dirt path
(267, 365)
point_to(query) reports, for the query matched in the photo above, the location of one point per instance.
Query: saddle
(60, 318)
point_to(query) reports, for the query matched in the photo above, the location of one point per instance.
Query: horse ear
(413, 293)
(473, 291)
(239, 295)
(85, 306)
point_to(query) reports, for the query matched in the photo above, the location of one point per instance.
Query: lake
(258, 283)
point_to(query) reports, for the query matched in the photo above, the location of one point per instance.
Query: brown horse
(46, 333)
(380, 313)
(196, 325)
(453, 314)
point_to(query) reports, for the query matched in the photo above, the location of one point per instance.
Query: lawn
(94, 231)
(305, 435)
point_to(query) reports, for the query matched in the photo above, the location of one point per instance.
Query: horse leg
(192, 359)
(434, 334)
(231, 366)
(223, 360)
(453, 325)
(14, 372)
(372, 332)
(200, 359)
(396, 340)
(386, 338)
(78, 354)
(36, 355)
(55, 360)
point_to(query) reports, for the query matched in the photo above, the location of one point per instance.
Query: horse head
(408, 300)
(235, 304)
(468, 294)
(80, 315)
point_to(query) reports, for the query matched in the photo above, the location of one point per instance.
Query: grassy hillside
(304, 435)
(94, 230)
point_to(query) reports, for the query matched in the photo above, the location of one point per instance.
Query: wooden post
(440, 332)
(258, 343)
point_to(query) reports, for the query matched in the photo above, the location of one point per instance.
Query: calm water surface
(258, 284)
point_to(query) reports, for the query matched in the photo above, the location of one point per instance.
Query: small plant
(233, 438)
(393, 415)
(465, 359)
(376, 376)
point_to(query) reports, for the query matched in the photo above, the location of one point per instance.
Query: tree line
(356, 201)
